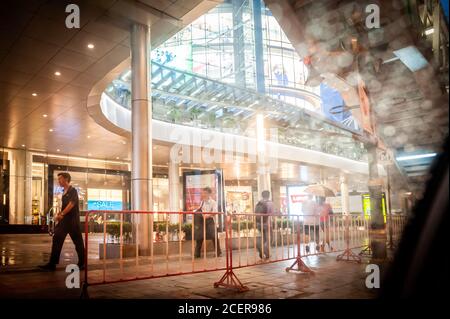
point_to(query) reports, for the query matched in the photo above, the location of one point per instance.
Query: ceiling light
(88, 136)
(57, 150)
(23, 145)
(44, 115)
(413, 157)
(34, 94)
(123, 142)
(429, 31)
(89, 154)
(57, 73)
(117, 157)
(50, 130)
(90, 46)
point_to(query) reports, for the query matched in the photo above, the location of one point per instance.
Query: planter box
(113, 251)
(251, 241)
(159, 248)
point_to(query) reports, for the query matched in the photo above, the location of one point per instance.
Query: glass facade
(207, 76)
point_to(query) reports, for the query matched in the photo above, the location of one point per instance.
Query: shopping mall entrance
(4, 191)
(98, 189)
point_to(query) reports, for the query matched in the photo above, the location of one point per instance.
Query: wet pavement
(19, 277)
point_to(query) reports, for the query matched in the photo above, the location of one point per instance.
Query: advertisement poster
(283, 201)
(239, 199)
(194, 182)
(354, 203)
(366, 205)
(194, 186)
(295, 198)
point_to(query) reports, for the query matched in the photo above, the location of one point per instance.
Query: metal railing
(126, 251)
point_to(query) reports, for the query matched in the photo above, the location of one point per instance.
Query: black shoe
(47, 267)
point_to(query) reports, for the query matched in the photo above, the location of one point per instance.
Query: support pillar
(263, 169)
(238, 42)
(141, 131)
(174, 190)
(377, 229)
(28, 179)
(259, 47)
(276, 195)
(348, 254)
(264, 183)
(345, 200)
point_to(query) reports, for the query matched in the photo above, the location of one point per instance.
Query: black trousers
(265, 242)
(61, 230)
(313, 231)
(199, 243)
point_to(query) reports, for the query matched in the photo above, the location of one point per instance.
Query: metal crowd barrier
(120, 253)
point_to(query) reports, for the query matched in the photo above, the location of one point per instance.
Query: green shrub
(243, 225)
(187, 229)
(113, 229)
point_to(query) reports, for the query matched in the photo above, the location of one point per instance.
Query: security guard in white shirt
(207, 205)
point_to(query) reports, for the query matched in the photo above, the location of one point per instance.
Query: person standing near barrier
(324, 211)
(264, 206)
(310, 222)
(68, 222)
(207, 205)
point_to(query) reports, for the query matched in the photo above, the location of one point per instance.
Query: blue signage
(104, 205)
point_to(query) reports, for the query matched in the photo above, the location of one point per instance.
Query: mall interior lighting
(429, 31)
(413, 157)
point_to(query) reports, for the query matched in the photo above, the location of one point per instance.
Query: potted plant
(113, 245)
(194, 113)
(174, 231)
(187, 229)
(174, 114)
(210, 119)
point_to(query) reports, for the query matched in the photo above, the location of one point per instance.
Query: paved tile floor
(19, 278)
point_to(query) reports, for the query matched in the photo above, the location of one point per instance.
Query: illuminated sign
(104, 205)
(366, 205)
(296, 197)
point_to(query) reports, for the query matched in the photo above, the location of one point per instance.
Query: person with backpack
(264, 206)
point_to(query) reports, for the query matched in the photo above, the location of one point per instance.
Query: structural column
(263, 181)
(28, 179)
(141, 130)
(238, 42)
(377, 230)
(345, 201)
(263, 171)
(259, 48)
(174, 190)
